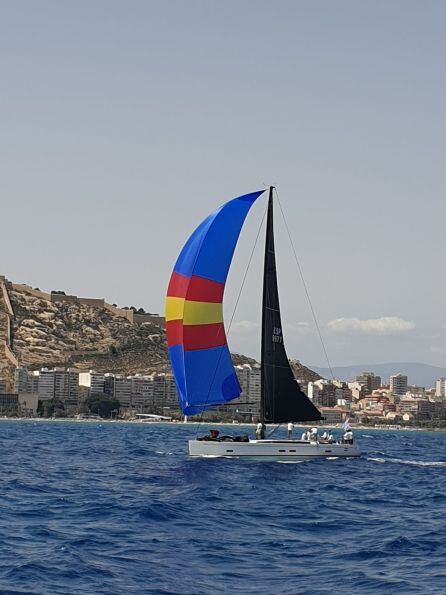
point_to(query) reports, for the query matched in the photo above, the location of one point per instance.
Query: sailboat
(200, 358)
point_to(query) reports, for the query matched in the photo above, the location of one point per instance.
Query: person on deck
(330, 438)
(259, 431)
(304, 435)
(313, 435)
(290, 430)
(348, 437)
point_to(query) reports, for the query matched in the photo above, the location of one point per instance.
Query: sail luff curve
(198, 351)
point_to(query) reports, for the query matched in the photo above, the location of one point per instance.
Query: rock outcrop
(38, 329)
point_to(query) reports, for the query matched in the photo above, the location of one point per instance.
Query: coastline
(206, 424)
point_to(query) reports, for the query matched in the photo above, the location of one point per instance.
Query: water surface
(121, 508)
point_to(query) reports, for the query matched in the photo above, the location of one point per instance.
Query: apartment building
(21, 376)
(123, 391)
(370, 381)
(142, 393)
(93, 381)
(440, 387)
(398, 384)
(59, 383)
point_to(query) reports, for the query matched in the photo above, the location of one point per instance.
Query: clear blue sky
(124, 123)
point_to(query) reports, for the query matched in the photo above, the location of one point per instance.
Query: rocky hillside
(63, 333)
(303, 374)
(50, 333)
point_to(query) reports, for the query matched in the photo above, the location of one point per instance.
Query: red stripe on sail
(203, 336)
(178, 285)
(198, 289)
(174, 330)
(205, 290)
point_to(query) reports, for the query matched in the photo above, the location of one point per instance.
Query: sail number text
(277, 335)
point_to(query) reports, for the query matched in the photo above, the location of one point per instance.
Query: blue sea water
(121, 508)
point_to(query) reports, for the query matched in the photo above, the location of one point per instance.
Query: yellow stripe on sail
(202, 313)
(174, 308)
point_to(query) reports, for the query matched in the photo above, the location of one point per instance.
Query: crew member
(290, 430)
(260, 431)
(313, 435)
(348, 437)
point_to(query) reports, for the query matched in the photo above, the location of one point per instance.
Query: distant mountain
(418, 374)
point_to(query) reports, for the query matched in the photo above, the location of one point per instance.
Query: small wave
(366, 436)
(290, 462)
(408, 462)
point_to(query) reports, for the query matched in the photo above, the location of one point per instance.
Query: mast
(269, 234)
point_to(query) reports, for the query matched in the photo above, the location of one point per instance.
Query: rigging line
(233, 313)
(305, 287)
(274, 430)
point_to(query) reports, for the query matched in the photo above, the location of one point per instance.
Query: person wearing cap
(290, 430)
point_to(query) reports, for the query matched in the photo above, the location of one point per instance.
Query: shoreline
(206, 423)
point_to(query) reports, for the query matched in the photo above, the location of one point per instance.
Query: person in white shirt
(330, 438)
(290, 430)
(259, 431)
(304, 435)
(348, 437)
(313, 435)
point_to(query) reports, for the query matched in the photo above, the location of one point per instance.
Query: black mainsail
(281, 397)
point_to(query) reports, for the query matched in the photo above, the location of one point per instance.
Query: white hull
(274, 450)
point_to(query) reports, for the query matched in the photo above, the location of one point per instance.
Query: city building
(440, 387)
(109, 384)
(59, 383)
(333, 415)
(398, 384)
(27, 404)
(123, 391)
(357, 389)
(94, 381)
(33, 382)
(142, 393)
(369, 380)
(323, 393)
(21, 376)
(247, 405)
(8, 404)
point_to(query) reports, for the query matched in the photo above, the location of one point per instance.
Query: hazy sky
(123, 124)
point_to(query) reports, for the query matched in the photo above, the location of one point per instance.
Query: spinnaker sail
(198, 351)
